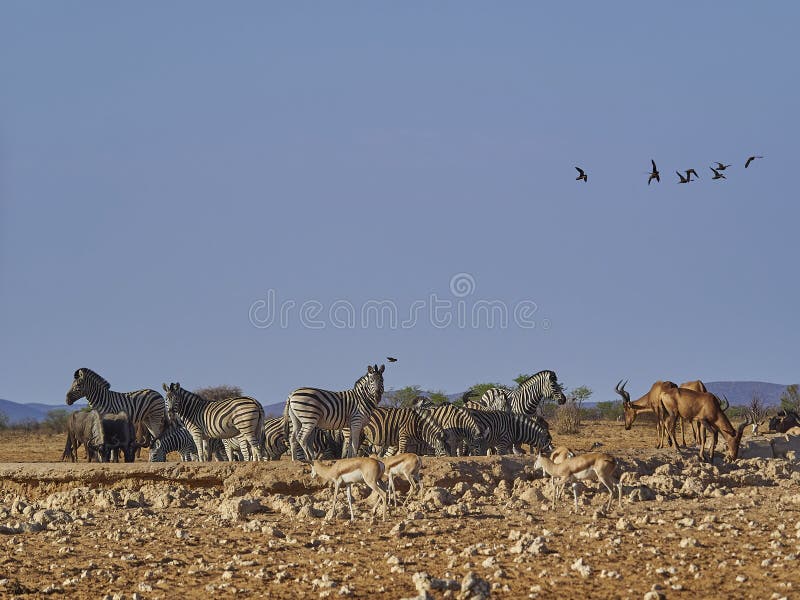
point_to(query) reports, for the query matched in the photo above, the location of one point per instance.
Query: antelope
(648, 403)
(349, 471)
(705, 408)
(406, 465)
(591, 465)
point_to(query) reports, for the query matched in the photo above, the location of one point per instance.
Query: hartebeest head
(630, 413)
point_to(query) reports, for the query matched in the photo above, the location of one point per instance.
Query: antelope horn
(727, 403)
(626, 397)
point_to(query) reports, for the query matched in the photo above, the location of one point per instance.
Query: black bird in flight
(682, 178)
(391, 359)
(751, 159)
(717, 174)
(581, 175)
(654, 174)
(720, 167)
(691, 172)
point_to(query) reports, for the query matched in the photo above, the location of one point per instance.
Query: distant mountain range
(737, 392)
(21, 413)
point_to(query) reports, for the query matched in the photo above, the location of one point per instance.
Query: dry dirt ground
(686, 529)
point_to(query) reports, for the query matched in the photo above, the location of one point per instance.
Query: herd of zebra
(322, 424)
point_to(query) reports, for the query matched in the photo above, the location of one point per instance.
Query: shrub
(568, 418)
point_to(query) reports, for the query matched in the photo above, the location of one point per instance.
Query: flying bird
(691, 172)
(654, 174)
(682, 178)
(581, 175)
(717, 174)
(751, 159)
(720, 167)
(391, 359)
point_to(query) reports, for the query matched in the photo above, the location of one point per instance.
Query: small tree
(519, 379)
(219, 392)
(439, 397)
(756, 412)
(56, 420)
(402, 398)
(4, 421)
(581, 394)
(790, 399)
(609, 410)
(479, 389)
(568, 418)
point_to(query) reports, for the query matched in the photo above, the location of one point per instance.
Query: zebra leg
(304, 440)
(355, 440)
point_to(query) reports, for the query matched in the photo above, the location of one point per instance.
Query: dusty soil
(153, 530)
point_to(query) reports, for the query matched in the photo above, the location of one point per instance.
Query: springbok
(349, 471)
(705, 408)
(587, 466)
(406, 465)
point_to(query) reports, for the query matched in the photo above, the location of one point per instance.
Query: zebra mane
(361, 382)
(96, 379)
(546, 374)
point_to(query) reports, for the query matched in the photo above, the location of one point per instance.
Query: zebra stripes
(240, 417)
(308, 409)
(497, 428)
(142, 406)
(533, 431)
(174, 439)
(459, 427)
(526, 398)
(395, 427)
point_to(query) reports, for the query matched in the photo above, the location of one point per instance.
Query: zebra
(458, 425)
(308, 409)
(275, 443)
(497, 427)
(175, 438)
(142, 406)
(533, 431)
(241, 417)
(525, 399)
(395, 427)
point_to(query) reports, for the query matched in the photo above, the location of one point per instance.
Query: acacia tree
(402, 398)
(790, 399)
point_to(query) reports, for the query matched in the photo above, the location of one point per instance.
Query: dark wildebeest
(118, 434)
(84, 428)
(784, 421)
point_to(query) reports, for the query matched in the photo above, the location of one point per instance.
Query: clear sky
(166, 168)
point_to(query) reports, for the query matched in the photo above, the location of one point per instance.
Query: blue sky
(164, 166)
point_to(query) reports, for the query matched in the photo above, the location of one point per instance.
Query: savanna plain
(481, 526)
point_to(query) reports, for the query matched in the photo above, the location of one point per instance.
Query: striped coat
(309, 409)
(142, 406)
(241, 417)
(396, 427)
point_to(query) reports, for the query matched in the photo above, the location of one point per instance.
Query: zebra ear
(164, 385)
(369, 368)
(77, 374)
(382, 369)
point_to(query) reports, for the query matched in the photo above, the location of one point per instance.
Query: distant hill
(741, 392)
(20, 413)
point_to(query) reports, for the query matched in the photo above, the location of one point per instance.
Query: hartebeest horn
(626, 397)
(727, 403)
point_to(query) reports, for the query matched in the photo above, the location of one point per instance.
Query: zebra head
(157, 453)
(173, 400)
(552, 388)
(84, 380)
(372, 383)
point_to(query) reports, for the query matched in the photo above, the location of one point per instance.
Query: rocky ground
(482, 526)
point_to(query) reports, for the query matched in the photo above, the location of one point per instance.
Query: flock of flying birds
(654, 174)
